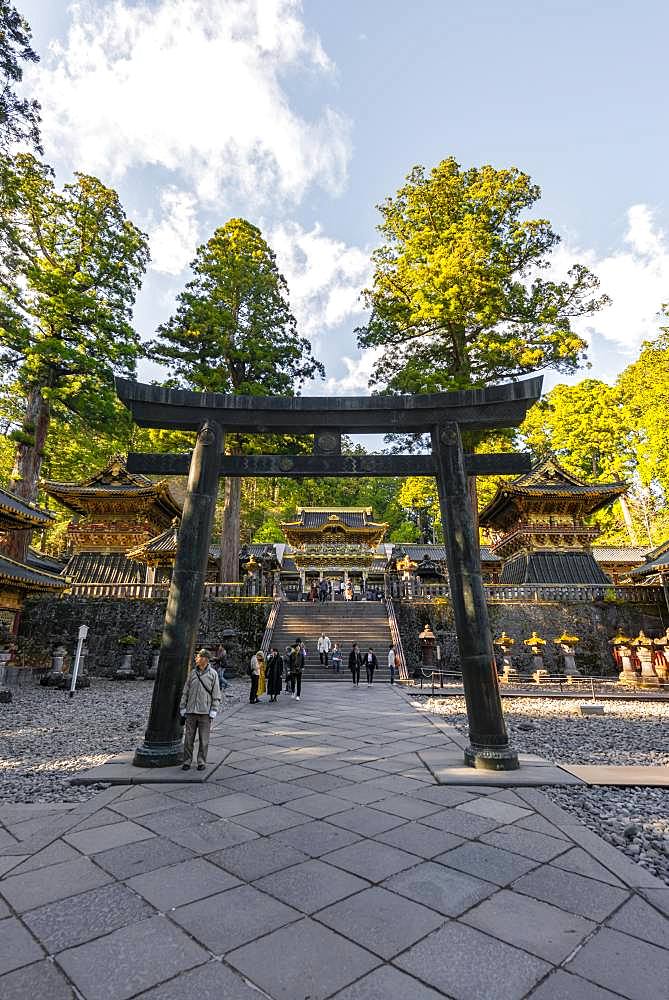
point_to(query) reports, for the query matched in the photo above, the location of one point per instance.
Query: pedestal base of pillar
(159, 755)
(628, 678)
(648, 681)
(491, 758)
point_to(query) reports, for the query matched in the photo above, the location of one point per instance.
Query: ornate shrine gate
(439, 414)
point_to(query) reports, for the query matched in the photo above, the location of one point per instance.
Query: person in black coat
(274, 674)
(371, 664)
(354, 663)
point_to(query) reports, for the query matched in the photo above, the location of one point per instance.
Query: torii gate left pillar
(162, 746)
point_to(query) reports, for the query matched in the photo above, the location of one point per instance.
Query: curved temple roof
(494, 406)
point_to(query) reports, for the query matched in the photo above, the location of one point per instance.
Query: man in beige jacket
(200, 701)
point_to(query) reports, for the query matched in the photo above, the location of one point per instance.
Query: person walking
(323, 645)
(348, 593)
(313, 593)
(336, 658)
(200, 702)
(297, 660)
(391, 664)
(354, 664)
(323, 591)
(371, 663)
(274, 674)
(289, 670)
(257, 673)
(220, 662)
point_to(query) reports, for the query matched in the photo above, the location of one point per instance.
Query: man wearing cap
(200, 702)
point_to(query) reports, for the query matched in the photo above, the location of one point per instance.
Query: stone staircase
(347, 622)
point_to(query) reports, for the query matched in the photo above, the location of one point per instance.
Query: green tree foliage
(19, 117)
(233, 332)
(70, 268)
(459, 295)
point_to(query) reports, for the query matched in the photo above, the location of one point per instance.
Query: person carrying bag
(200, 702)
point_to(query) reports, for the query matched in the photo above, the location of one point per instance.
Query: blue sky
(302, 116)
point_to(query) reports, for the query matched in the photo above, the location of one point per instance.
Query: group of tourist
(267, 673)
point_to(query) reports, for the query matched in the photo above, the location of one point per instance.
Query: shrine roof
(164, 546)
(99, 567)
(548, 484)
(26, 577)
(417, 552)
(657, 561)
(113, 482)
(554, 568)
(351, 517)
(16, 513)
(618, 554)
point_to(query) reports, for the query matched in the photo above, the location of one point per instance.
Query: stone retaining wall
(594, 623)
(47, 622)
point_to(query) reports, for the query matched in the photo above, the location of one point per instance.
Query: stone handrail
(148, 591)
(400, 659)
(534, 593)
(269, 627)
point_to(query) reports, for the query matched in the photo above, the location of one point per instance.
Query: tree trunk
(627, 518)
(230, 529)
(27, 466)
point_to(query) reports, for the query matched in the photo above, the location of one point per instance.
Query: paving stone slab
(362, 793)
(320, 805)
(180, 817)
(186, 882)
(18, 946)
(419, 839)
(52, 855)
(232, 918)
(270, 819)
(366, 821)
(633, 875)
(253, 860)
(88, 915)
(104, 817)
(233, 804)
(581, 863)
(311, 885)
(562, 985)
(144, 804)
(371, 860)
(572, 892)
(444, 796)
(406, 807)
(538, 824)
(613, 774)
(631, 967)
(327, 962)
(384, 921)
(443, 889)
(387, 983)
(45, 885)
(316, 838)
(208, 837)
(640, 920)
(468, 965)
(527, 843)
(460, 823)
(103, 838)
(490, 863)
(659, 898)
(131, 959)
(213, 981)
(541, 929)
(42, 981)
(144, 856)
(489, 806)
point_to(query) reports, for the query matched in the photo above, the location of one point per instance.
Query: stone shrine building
(540, 530)
(114, 511)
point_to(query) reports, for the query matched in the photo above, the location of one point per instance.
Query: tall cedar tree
(19, 117)
(458, 297)
(70, 267)
(233, 332)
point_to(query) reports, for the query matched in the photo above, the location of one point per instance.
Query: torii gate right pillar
(488, 740)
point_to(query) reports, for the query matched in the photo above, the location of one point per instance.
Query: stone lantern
(428, 647)
(644, 650)
(536, 644)
(505, 642)
(567, 645)
(622, 646)
(406, 567)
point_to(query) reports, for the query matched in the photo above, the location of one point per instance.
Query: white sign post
(83, 632)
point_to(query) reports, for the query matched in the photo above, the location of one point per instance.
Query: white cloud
(325, 276)
(355, 381)
(174, 239)
(636, 278)
(195, 87)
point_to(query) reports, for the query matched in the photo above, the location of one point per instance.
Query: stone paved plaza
(322, 859)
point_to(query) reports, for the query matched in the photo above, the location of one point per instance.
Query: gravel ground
(47, 737)
(636, 820)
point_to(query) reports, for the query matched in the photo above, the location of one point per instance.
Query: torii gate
(327, 418)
